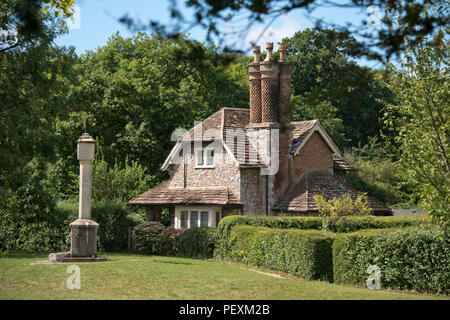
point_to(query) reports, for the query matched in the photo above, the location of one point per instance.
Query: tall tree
(330, 86)
(420, 117)
(380, 42)
(136, 91)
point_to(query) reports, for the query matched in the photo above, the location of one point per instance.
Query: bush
(154, 238)
(227, 224)
(196, 242)
(303, 253)
(149, 238)
(113, 217)
(408, 258)
(336, 209)
(349, 224)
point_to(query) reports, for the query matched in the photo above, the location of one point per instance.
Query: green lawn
(126, 276)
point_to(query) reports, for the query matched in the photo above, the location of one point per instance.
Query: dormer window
(204, 158)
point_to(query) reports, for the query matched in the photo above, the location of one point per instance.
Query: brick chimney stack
(269, 87)
(254, 76)
(284, 95)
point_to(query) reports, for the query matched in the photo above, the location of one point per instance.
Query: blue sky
(99, 20)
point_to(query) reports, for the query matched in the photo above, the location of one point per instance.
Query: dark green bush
(409, 258)
(196, 242)
(149, 237)
(304, 253)
(113, 217)
(154, 238)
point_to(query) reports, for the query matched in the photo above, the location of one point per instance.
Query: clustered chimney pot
(270, 86)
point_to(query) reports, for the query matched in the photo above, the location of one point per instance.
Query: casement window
(184, 219)
(204, 158)
(194, 217)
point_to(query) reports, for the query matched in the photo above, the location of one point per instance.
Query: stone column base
(65, 257)
(83, 238)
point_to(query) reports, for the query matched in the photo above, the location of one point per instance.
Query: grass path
(126, 276)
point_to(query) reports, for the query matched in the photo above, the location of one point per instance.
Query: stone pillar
(84, 230)
(255, 87)
(269, 87)
(284, 90)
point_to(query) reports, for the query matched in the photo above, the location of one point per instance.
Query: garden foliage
(303, 253)
(409, 258)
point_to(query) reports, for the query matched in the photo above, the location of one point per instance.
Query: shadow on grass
(171, 262)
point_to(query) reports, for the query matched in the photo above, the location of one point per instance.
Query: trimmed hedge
(350, 224)
(408, 258)
(303, 253)
(154, 238)
(196, 242)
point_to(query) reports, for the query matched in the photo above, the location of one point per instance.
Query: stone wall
(253, 191)
(224, 174)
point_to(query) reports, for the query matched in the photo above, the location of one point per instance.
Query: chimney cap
(283, 53)
(256, 53)
(269, 49)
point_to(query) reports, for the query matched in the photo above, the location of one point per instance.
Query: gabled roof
(164, 194)
(303, 130)
(238, 118)
(300, 197)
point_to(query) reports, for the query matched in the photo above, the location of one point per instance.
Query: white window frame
(211, 215)
(205, 158)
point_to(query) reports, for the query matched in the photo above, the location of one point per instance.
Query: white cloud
(288, 27)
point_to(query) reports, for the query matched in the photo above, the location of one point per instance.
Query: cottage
(254, 161)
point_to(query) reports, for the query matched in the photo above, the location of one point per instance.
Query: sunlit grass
(126, 276)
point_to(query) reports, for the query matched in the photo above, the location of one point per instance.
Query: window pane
(194, 219)
(199, 158)
(205, 218)
(183, 216)
(210, 157)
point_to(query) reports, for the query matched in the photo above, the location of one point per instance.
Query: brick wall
(315, 155)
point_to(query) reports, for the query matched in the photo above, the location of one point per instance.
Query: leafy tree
(336, 209)
(415, 21)
(328, 85)
(136, 91)
(420, 117)
(24, 22)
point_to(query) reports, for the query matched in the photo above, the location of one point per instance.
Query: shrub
(154, 238)
(227, 224)
(336, 209)
(303, 253)
(118, 182)
(113, 217)
(409, 258)
(149, 238)
(196, 242)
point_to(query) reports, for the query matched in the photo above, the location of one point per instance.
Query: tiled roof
(300, 197)
(301, 131)
(239, 118)
(339, 163)
(163, 194)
